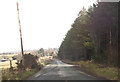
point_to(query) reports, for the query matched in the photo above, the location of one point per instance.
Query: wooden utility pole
(20, 32)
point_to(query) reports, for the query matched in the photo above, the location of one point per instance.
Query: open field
(6, 64)
(8, 55)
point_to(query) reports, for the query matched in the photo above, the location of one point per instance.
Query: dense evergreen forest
(93, 36)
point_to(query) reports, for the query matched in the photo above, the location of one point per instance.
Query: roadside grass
(48, 62)
(17, 75)
(22, 74)
(110, 73)
(26, 74)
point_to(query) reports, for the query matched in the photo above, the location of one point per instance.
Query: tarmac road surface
(61, 71)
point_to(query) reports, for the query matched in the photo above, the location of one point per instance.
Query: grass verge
(17, 75)
(110, 73)
(21, 74)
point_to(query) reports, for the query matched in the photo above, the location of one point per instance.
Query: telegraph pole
(20, 33)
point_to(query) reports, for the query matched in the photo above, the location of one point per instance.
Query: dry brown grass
(96, 69)
(6, 64)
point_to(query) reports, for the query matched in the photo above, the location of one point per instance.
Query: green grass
(99, 70)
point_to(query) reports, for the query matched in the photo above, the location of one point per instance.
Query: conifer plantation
(93, 36)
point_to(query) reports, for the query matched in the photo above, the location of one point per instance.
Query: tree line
(93, 36)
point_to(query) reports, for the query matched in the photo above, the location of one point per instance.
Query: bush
(30, 61)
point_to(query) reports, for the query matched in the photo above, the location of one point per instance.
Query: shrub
(30, 61)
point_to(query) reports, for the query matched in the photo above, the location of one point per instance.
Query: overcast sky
(44, 23)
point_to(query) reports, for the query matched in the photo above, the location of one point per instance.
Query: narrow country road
(61, 71)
